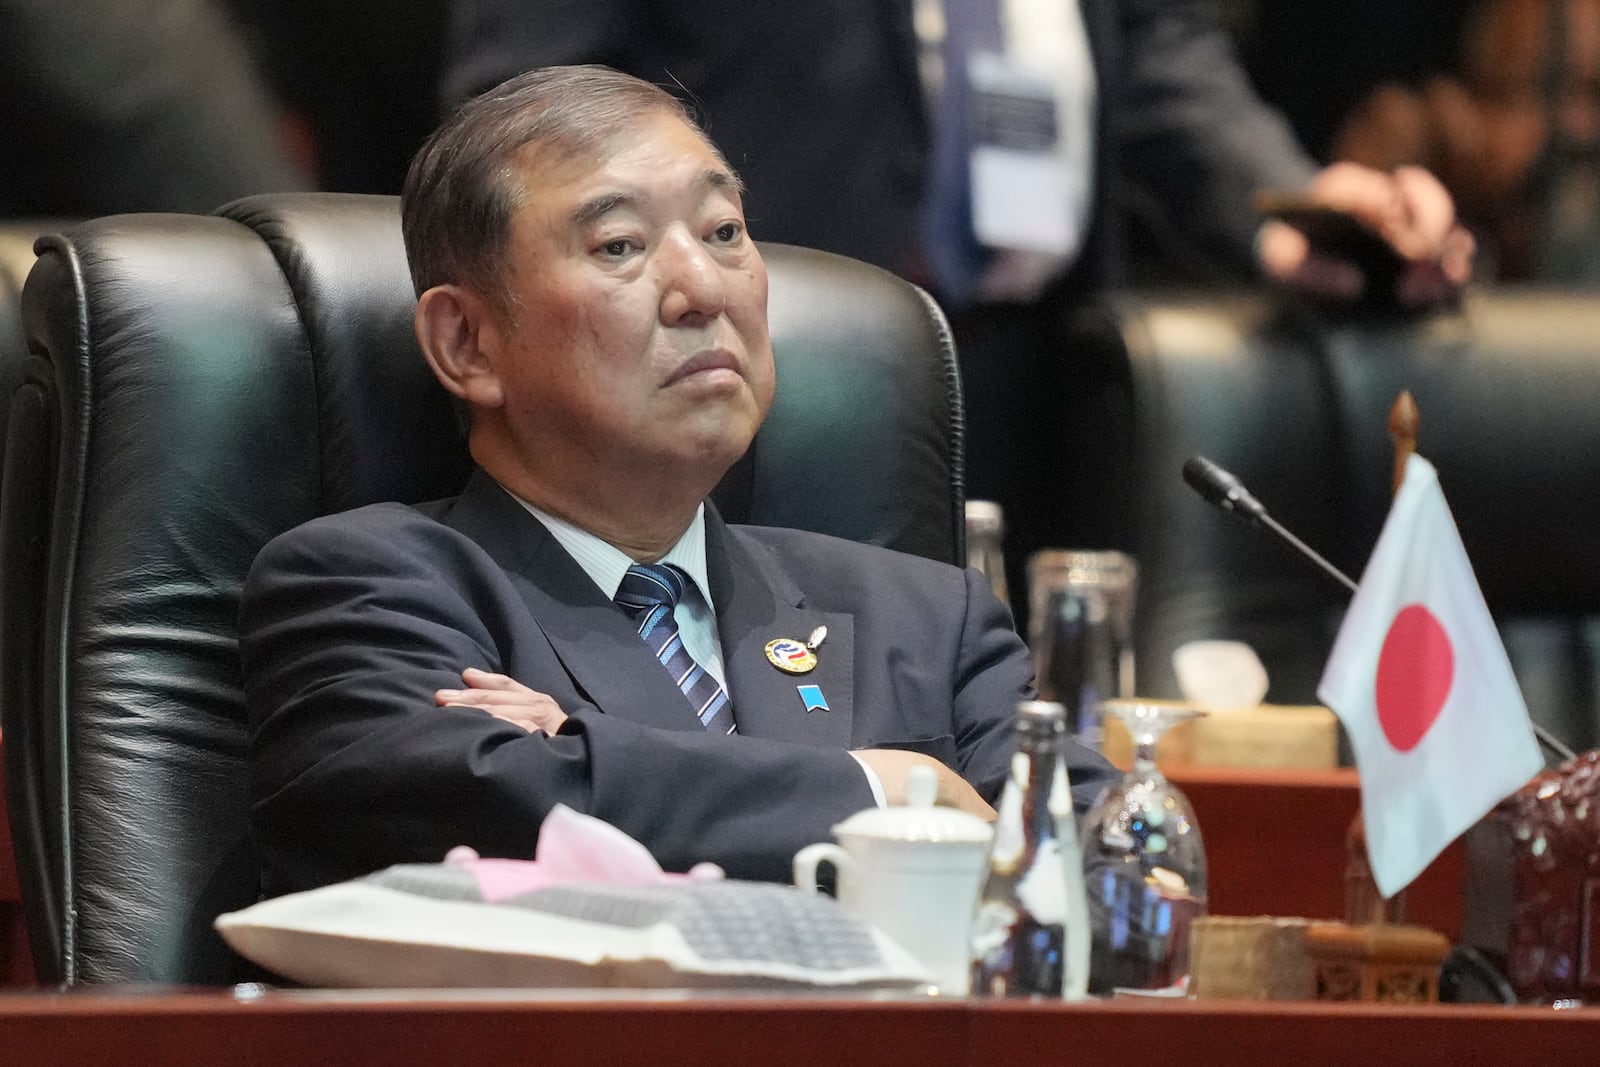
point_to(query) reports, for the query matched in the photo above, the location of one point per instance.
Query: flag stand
(1363, 904)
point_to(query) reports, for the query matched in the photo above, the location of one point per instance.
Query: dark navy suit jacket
(351, 622)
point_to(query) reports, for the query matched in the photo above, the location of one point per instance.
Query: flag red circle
(1415, 670)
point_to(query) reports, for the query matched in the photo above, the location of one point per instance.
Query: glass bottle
(1030, 934)
(986, 530)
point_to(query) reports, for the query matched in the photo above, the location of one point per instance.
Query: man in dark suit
(108, 107)
(424, 677)
(820, 105)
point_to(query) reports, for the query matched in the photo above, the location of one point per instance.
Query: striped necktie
(649, 592)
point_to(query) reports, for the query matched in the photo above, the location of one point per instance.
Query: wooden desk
(487, 1029)
(1274, 839)
(1275, 845)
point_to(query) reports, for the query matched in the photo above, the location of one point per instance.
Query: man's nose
(693, 289)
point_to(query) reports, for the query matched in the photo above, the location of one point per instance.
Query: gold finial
(1403, 421)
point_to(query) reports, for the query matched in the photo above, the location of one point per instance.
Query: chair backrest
(16, 259)
(1297, 405)
(197, 385)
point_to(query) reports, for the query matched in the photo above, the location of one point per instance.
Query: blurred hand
(504, 698)
(1408, 208)
(892, 766)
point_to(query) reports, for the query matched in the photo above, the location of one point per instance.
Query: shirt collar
(606, 564)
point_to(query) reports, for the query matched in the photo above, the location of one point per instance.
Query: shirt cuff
(872, 782)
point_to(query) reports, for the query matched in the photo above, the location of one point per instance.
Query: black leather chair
(16, 259)
(1297, 405)
(198, 385)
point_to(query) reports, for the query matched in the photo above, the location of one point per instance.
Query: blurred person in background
(360, 76)
(1514, 133)
(133, 105)
(854, 122)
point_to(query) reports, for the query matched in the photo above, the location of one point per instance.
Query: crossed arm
(509, 700)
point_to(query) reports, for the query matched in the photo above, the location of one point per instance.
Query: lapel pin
(791, 656)
(812, 696)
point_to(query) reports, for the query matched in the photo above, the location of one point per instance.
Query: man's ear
(461, 337)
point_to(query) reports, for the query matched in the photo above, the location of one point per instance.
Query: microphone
(1222, 490)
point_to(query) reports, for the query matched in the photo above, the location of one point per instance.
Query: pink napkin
(573, 847)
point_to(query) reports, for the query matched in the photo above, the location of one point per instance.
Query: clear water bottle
(1030, 934)
(986, 530)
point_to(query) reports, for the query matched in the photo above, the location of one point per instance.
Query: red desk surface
(1275, 845)
(487, 1029)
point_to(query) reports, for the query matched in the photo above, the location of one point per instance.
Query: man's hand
(891, 765)
(504, 698)
(1408, 208)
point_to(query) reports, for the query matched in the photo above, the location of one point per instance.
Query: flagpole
(1364, 903)
(1404, 421)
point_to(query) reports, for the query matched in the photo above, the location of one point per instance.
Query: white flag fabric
(1422, 684)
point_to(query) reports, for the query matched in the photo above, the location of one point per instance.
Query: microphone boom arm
(1308, 552)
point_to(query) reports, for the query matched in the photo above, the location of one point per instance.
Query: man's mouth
(713, 359)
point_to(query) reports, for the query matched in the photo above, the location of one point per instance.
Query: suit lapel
(595, 642)
(757, 603)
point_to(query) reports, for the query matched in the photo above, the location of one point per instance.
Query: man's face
(638, 305)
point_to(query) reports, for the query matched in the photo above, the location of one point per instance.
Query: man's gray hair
(462, 189)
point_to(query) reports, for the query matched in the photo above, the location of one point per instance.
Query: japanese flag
(1423, 686)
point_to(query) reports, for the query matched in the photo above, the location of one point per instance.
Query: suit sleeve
(348, 628)
(1195, 140)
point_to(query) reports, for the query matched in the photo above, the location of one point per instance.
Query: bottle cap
(1041, 717)
(984, 516)
(1065, 568)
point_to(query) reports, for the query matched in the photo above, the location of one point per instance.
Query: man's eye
(620, 247)
(729, 232)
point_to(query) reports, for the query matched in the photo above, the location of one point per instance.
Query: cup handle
(808, 858)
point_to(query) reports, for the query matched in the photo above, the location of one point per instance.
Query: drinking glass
(1144, 864)
(1080, 630)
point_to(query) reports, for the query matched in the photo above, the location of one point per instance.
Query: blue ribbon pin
(812, 695)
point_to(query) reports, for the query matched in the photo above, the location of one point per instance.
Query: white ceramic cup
(914, 873)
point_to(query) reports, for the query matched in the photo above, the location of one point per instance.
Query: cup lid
(917, 820)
